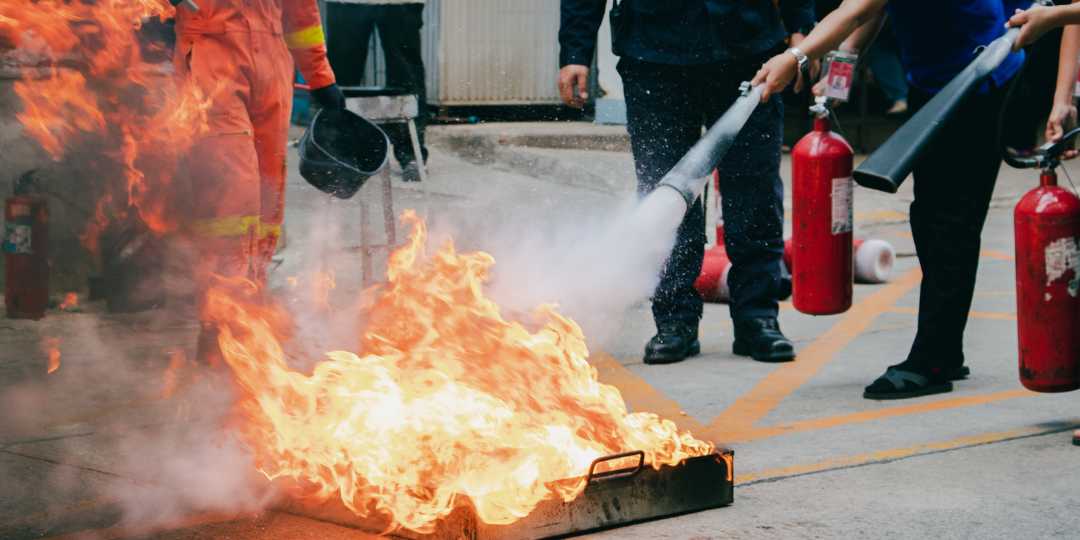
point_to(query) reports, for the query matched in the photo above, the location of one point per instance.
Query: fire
(445, 400)
(70, 302)
(51, 345)
(97, 85)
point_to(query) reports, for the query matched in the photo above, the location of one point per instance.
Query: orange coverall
(238, 53)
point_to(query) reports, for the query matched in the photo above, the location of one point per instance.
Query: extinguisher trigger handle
(1020, 161)
(1047, 156)
(1052, 151)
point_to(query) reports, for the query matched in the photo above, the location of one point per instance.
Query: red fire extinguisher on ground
(821, 196)
(712, 282)
(1047, 225)
(26, 252)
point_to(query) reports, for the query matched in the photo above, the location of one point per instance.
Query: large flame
(446, 399)
(99, 79)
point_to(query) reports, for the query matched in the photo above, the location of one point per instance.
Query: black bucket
(340, 151)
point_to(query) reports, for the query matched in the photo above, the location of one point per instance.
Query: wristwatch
(801, 58)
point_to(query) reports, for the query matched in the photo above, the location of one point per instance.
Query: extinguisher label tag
(841, 205)
(17, 238)
(839, 74)
(1063, 255)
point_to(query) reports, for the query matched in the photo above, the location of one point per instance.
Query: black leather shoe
(762, 340)
(674, 342)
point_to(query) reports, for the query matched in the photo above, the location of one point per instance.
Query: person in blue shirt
(681, 63)
(954, 177)
(1033, 23)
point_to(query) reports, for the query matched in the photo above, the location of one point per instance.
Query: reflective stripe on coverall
(238, 53)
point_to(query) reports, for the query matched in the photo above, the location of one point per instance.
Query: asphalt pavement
(84, 451)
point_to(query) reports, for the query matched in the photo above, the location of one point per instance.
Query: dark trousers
(666, 108)
(349, 32)
(954, 181)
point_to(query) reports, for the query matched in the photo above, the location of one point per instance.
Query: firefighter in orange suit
(238, 53)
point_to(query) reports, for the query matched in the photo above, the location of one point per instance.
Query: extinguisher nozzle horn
(693, 171)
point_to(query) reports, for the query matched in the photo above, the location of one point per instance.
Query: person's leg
(664, 120)
(399, 31)
(269, 108)
(348, 32)
(221, 172)
(753, 209)
(954, 181)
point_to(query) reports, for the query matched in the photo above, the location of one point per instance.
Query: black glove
(329, 97)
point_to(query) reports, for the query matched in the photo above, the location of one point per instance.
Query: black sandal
(960, 373)
(900, 384)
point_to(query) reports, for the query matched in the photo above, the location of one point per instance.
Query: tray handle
(617, 473)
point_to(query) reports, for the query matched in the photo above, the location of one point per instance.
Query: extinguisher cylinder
(1047, 229)
(712, 283)
(26, 263)
(821, 195)
(874, 260)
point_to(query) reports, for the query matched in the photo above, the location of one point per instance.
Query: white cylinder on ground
(722, 289)
(874, 261)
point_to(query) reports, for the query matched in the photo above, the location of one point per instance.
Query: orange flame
(51, 346)
(446, 400)
(95, 85)
(71, 301)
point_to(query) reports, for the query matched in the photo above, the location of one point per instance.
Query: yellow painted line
(751, 407)
(885, 456)
(994, 315)
(880, 216)
(994, 254)
(640, 395)
(814, 424)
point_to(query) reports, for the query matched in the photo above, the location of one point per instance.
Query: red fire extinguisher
(821, 196)
(26, 251)
(1047, 226)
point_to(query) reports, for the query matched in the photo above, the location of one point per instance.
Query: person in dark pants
(350, 25)
(682, 62)
(954, 176)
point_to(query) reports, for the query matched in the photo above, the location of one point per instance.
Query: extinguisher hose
(692, 172)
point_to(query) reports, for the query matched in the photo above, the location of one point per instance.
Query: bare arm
(779, 71)
(864, 35)
(1064, 111)
(1037, 21)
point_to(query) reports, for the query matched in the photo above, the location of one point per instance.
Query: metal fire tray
(611, 499)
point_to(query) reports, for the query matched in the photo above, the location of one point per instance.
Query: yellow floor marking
(880, 216)
(893, 454)
(994, 254)
(640, 395)
(751, 407)
(995, 315)
(813, 424)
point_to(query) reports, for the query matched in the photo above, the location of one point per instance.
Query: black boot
(674, 342)
(762, 340)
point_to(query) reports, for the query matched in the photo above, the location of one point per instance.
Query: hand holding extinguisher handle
(1048, 156)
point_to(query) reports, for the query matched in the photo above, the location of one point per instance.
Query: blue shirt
(938, 39)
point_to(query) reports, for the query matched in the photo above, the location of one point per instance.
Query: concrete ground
(84, 452)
